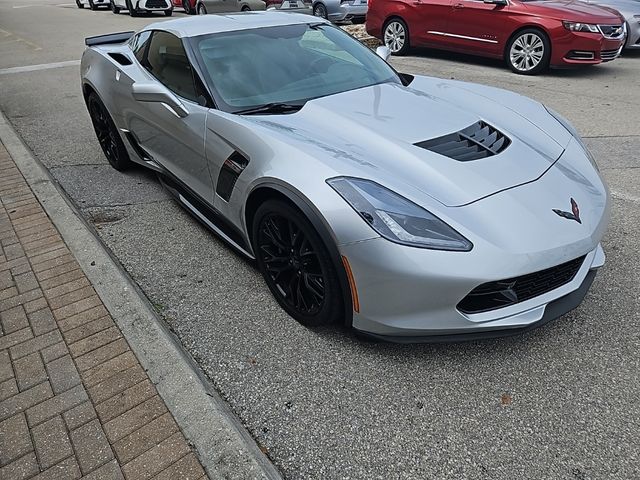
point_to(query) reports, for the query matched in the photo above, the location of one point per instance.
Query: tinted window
(168, 62)
(290, 64)
(138, 43)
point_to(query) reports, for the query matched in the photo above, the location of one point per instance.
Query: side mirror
(501, 3)
(151, 92)
(383, 52)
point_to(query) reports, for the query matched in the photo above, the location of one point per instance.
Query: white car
(137, 7)
(93, 4)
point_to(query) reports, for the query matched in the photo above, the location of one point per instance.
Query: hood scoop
(477, 141)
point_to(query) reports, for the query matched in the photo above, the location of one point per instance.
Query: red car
(189, 6)
(529, 35)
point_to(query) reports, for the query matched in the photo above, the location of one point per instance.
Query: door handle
(458, 6)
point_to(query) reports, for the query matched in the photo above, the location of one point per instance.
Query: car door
(173, 140)
(478, 27)
(428, 22)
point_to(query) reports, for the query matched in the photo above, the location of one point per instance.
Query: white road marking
(35, 68)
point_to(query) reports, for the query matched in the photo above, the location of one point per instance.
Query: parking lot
(559, 402)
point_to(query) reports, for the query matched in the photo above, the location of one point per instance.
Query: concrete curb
(224, 447)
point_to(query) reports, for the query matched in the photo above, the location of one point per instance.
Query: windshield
(286, 64)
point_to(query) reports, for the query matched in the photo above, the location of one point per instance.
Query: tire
(114, 8)
(245, 9)
(296, 265)
(92, 6)
(528, 52)
(132, 11)
(358, 21)
(187, 7)
(319, 10)
(80, 5)
(168, 13)
(107, 133)
(395, 35)
(202, 10)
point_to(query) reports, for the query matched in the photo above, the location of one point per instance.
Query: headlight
(581, 27)
(396, 218)
(572, 130)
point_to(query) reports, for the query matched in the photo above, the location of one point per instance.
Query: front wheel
(395, 36)
(168, 13)
(187, 7)
(114, 8)
(79, 4)
(132, 11)
(528, 52)
(202, 10)
(92, 5)
(296, 264)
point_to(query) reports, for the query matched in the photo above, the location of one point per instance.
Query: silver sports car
(409, 208)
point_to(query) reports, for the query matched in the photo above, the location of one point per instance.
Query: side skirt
(206, 214)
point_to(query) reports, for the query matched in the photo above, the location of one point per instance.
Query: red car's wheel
(528, 52)
(395, 35)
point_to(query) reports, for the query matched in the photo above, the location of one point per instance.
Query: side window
(168, 62)
(138, 44)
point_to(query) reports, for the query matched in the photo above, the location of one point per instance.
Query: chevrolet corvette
(408, 208)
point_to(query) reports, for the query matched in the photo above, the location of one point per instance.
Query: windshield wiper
(270, 108)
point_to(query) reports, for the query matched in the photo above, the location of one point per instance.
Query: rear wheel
(79, 4)
(395, 35)
(202, 10)
(92, 6)
(296, 264)
(114, 8)
(528, 52)
(320, 11)
(107, 134)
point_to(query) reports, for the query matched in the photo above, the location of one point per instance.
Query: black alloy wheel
(296, 265)
(107, 134)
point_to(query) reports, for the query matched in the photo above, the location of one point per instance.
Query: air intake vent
(479, 140)
(120, 58)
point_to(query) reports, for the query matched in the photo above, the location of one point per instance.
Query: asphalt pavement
(559, 402)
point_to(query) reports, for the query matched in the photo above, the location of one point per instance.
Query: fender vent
(120, 58)
(479, 140)
(229, 173)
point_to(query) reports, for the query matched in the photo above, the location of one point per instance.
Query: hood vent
(479, 140)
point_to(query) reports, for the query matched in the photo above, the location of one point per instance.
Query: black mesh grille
(493, 295)
(479, 140)
(156, 4)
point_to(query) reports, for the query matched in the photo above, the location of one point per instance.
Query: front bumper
(633, 34)
(580, 48)
(349, 11)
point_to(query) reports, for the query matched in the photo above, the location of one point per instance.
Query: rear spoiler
(120, 37)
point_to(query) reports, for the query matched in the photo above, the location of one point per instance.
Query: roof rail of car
(109, 38)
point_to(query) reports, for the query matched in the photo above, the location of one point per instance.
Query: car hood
(372, 133)
(627, 8)
(576, 11)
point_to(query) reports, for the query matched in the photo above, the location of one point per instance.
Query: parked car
(138, 7)
(93, 4)
(630, 10)
(297, 6)
(529, 35)
(189, 6)
(204, 7)
(354, 11)
(405, 207)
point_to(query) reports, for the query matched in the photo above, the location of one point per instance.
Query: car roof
(204, 24)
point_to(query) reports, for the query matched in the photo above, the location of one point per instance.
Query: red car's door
(429, 16)
(479, 27)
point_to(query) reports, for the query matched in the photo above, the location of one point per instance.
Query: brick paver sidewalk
(74, 401)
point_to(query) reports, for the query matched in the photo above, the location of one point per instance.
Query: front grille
(612, 31)
(479, 140)
(156, 4)
(608, 55)
(493, 295)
